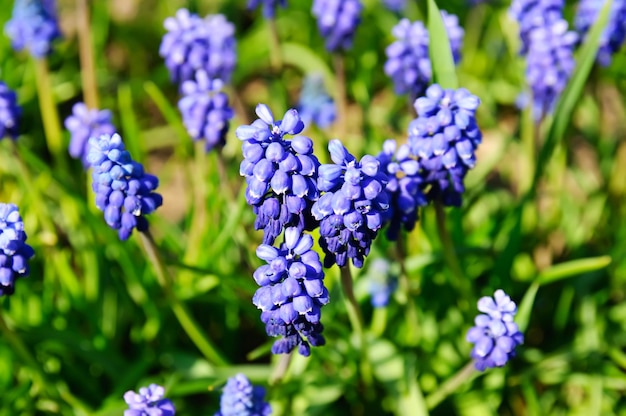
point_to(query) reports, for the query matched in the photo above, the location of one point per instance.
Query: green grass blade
(573, 268)
(444, 72)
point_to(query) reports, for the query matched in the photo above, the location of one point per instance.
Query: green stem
(404, 284)
(49, 112)
(356, 320)
(180, 310)
(24, 353)
(449, 252)
(87, 61)
(451, 385)
(276, 58)
(281, 367)
(342, 99)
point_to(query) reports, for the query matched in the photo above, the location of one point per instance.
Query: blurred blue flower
(192, 43)
(281, 174)
(148, 402)
(444, 138)
(382, 282)
(614, 33)
(549, 49)
(33, 26)
(14, 252)
(337, 21)
(404, 188)
(269, 6)
(408, 60)
(83, 124)
(123, 191)
(241, 398)
(10, 112)
(316, 106)
(395, 5)
(205, 110)
(352, 207)
(292, 293)
(495, 336)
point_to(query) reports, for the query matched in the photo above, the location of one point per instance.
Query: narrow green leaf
(573, 268)
(444, 71)
(572, 93)
(169, 112)
(130, 125)
(526, 306)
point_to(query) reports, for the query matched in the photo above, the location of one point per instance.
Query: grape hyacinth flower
(534, 14)
(316, 106)
(337, 21)
(10, 112)
(269, 6)
(408, 60)
(352, 209)
(444, 138)
(148, 402)
(281, 174)
(404, 188)
(14, 252)
(242, 398)
(382, 282)
(395, 5)
(292, 293)
(614, 33)
(33, 26)
(495, 335)
(83, 124)
(123, 191)
(205, 110)
(192, 43)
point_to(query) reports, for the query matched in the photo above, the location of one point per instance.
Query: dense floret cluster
(192, 44)
(292, 293)
(408, 60)
(444, 138)
(33, 26)
(495, 336)
(242, 398)
(316, 106)
(14, 252)
(549, 49)
(280, 173)
(205, 110)
(404, 188)
(337, 21)
(352, 207)
(10, 112)
(148, 402)
(83, 124)
(123, 191)
(614, 33)
(269, 6)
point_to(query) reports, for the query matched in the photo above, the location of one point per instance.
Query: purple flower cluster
(444, 138)
(242, 398)
(148, 402)
(14, 252)
(316, 106)
(405, 188)
(123, 191)
(549, 48)
(192, 43)
(614, 33)
(291, 293)
(408, 61)
(84, 124)
(33, 26)
(280, 173)
(395, 5)
(205, 110)
(337, 21)
(353, 205)
(269, 6)
(10, 112)
(495, 335)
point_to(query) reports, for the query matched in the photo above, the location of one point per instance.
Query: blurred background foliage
(95, 323)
